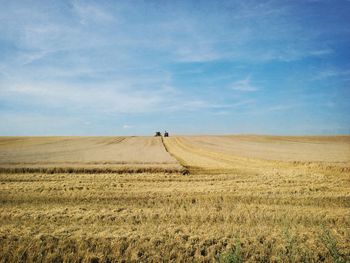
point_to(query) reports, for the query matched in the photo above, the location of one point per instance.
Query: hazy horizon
(187, 135)
(189, 67)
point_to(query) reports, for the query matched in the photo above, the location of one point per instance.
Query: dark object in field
(158, 134)
(166, 134)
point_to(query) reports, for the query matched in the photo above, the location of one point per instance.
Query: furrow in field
(85, 155)
(200, 157)
(332, 151)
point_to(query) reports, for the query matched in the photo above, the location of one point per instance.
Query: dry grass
(230, 208)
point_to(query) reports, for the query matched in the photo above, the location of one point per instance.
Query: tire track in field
(115, 140)
(179, 160)
(200, 159)
(197, 159)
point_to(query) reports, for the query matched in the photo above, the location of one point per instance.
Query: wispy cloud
(120, 97)
(127, 126)
(330, 73)
(244, 85)
(92, 12)
(120, 58)
(281, 107)
(82, 98)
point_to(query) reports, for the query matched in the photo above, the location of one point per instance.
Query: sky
(188, 67)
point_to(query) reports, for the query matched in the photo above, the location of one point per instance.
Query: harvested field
(85, 154)
(232, 207)
(255, 153)
(326, 149)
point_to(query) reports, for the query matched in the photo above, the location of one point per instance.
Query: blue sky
(190, 67)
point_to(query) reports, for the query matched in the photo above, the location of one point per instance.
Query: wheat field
(245, 199)
(85, 154)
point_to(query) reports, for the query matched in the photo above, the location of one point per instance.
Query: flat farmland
(212, 153)
(325, 149)
(246, 198)
(87, 154)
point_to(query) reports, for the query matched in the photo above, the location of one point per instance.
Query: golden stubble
(276, 210)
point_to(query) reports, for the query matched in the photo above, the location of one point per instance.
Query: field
(245, 198)
(85, 154)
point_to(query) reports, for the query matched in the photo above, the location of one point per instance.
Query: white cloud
(126, 126)
(281, 107)
(25, 123)
(123, 96)
(77, 97)
(330, 73)
(89, 12)
(98, 57)
(221, 113)
(244, 85)
(192, 53)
